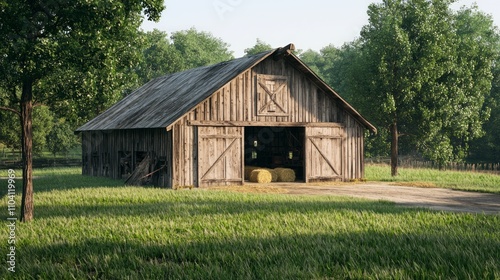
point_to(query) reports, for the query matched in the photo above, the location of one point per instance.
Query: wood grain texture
(193, 123)
(165, 100)
(116, 154)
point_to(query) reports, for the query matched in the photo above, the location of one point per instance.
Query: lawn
(96, 228)
(467, 181)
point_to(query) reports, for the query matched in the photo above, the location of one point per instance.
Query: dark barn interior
(273, 147)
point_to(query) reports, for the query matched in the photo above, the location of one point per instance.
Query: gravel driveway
(433, 198)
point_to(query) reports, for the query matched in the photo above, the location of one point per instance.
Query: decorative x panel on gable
(272, 95)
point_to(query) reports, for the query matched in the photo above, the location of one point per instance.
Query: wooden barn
(202, 127)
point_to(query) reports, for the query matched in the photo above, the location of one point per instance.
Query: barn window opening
(254, 154)
(125, 163)
(275, 147)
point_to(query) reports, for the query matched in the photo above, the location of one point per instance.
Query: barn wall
(354, 149)
(184, 154)
(237, 101)
(112, 153)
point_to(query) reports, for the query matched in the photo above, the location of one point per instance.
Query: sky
(309, 24)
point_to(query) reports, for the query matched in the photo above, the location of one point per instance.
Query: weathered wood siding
(184, 154)
(220, 156)
(242, 99)
(237, 100)
(324, 154)
(354, 149)
(113, 153)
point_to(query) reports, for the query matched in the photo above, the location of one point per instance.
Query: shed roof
(162, 101)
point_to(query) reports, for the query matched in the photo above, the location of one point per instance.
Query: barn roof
(162, 101)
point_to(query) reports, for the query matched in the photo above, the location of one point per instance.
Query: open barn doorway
(276, 147)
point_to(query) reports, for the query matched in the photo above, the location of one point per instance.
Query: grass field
(94, 228)
(467, 181)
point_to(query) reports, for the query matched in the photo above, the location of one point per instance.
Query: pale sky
(311, 24)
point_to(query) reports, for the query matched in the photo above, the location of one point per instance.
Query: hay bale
(261, 176)
(285, 174)
(248, 171)
(273, 174)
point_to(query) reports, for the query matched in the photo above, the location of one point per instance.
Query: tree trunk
(394, 149)
(27, 151)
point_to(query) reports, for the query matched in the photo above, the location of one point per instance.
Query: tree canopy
(420, 71)
(41, 40)
(197, 49)
(184, 50)
(260, 46)
(428, 69)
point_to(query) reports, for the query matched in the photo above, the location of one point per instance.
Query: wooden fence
(40, 163)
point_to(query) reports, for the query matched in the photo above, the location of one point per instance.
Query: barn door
(272, 95)
(220, 156)
(324, 156)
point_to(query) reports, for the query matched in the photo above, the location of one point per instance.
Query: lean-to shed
(201, 127)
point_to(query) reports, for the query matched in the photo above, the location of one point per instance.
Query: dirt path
(433, 198)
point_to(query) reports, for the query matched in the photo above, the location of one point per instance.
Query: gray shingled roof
(162, 101)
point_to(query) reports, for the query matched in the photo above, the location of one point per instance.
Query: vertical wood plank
(236, 101)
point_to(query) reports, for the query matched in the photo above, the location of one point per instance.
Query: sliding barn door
(220, 156)
(324, 154)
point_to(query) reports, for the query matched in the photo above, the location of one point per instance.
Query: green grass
(93, 228)
(6, 154)
(467, 181)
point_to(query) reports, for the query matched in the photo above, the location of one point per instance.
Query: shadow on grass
(206, 205)
(478, 203)
(47, 183)
(371, 255)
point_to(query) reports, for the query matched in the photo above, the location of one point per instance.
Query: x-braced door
(220, 156)
(324, 154)
(272, 95)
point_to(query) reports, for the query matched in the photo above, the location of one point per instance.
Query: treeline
(426, 76)
(71, 97)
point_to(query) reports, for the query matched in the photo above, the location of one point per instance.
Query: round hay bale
(285, 174)
(248, 171)
(261, 176)
(274, 175)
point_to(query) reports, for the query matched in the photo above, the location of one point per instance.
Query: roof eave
(326, 87)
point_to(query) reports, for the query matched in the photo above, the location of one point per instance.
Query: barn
(202, 127)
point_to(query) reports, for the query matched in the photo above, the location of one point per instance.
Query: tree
(337, 67)
(423, 81)
(61, 138)
(194, 49)
(42, 125)
(158, 56)
(487, 148)
(260, 46)
(11, 131)
(184, 50)
(39, 39)
(315, 61)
